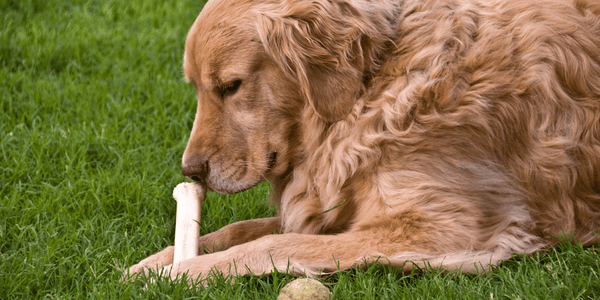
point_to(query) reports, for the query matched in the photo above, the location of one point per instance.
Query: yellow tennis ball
(304, 289)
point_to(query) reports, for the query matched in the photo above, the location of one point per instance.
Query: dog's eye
(230, 88)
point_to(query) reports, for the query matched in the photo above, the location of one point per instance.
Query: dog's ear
(327, 45)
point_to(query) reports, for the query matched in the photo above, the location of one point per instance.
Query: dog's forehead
(221, 21)
(217, 40)
(210, 64)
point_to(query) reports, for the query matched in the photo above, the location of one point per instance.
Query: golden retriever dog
(450, 133)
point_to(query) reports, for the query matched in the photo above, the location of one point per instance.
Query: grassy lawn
(94, 117)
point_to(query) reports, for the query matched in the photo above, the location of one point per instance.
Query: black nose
(196, 168)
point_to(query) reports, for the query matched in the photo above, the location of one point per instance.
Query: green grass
(94, 117)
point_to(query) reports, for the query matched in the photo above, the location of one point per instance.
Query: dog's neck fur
(307, 173)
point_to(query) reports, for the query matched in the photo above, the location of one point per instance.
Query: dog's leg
(224, 238)
(306, 254)
(291, 252)
(238, 233)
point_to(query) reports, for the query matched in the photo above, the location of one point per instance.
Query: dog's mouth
(223, 185)
(272, 160)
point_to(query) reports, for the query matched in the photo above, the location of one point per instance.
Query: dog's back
(515, 82)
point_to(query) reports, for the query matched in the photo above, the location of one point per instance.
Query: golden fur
(448, 132)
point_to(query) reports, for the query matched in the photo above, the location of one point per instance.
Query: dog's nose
(196, 168)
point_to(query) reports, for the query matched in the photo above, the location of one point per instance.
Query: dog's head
(256, 66)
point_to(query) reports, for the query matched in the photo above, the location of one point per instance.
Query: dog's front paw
(183, 270)
(153, 262)
(137, 269)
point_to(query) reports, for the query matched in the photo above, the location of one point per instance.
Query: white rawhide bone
(189, 197)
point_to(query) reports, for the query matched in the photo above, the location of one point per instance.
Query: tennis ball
(304, 289)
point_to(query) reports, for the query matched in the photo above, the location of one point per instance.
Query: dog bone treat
(189, 197)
